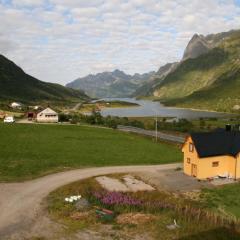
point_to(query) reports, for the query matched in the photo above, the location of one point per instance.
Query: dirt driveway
(20, 203)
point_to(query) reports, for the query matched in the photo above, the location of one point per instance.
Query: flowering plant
(116, 198)
(124, 199)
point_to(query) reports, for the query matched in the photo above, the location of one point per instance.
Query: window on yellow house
(215, 164)
(191, 147)
(188, 160)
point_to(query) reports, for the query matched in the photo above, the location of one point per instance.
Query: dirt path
(20, 203)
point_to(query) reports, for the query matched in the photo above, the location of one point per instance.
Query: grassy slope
(16, 85)
(192, 75)
(222, 96)
(32, 150)
(210, 81)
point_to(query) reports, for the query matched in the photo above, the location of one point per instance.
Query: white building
(16, 105)
(47, 116)
(36, 107)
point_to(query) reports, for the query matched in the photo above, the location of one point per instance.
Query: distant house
(36, 107)
(172, 120)
(212, 154)
(47, 116)
(16, 105)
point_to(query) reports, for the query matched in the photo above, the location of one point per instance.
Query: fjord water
(149, 108)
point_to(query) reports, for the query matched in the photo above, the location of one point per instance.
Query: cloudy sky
(60, 40)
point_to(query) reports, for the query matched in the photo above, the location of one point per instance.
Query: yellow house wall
(192, 155)
(204, 165)
(238, 166)
(226, 165)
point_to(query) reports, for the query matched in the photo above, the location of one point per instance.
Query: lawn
(29, 150)
(225, 199)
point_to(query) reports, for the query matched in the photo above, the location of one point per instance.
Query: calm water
(149, 108)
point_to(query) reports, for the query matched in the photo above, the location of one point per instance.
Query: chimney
(228, 127)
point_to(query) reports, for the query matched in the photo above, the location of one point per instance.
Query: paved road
(160, 135)
(20, 203)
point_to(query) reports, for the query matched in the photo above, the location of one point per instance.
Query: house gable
(47, 111)
(47, 115)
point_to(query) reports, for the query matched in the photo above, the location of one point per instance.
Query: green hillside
(223, 95)
(16, 85)
(193, 75)
(210, 81)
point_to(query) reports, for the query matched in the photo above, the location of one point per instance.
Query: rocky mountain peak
(196, 47)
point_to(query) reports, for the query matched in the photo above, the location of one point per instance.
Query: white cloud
(85, 12)
(60, 40)
(28, 3)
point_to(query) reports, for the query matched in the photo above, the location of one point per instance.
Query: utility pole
(156, 128)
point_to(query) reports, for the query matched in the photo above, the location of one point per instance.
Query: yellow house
(212, 154)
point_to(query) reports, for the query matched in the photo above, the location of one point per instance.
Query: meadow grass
(32, 150)
(224, 199)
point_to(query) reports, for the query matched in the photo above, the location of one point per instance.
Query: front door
(194, 170)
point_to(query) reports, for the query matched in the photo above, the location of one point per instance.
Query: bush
(63, 117)
(110, 122)
(183, 125)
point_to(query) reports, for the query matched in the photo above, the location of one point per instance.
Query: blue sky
(60, 40)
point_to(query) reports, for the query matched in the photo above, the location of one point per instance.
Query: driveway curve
(20, 203)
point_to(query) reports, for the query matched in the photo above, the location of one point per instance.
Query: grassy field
(15, 114)
(225, 199)
(29, 150)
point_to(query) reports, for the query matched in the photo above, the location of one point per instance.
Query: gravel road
(20, 203)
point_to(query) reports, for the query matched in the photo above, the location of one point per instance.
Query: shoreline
(219, 114)
(185, 108)
(117, 106)
(198, 109)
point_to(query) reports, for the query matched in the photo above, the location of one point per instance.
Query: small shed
(47, 116)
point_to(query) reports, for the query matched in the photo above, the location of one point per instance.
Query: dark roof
(217, 143)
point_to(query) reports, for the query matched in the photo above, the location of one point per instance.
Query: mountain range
(110, 84)
(16, 85)
(207, 77)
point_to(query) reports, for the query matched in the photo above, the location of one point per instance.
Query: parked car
(9, 119)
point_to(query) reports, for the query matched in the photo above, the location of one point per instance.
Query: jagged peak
(195, 36)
